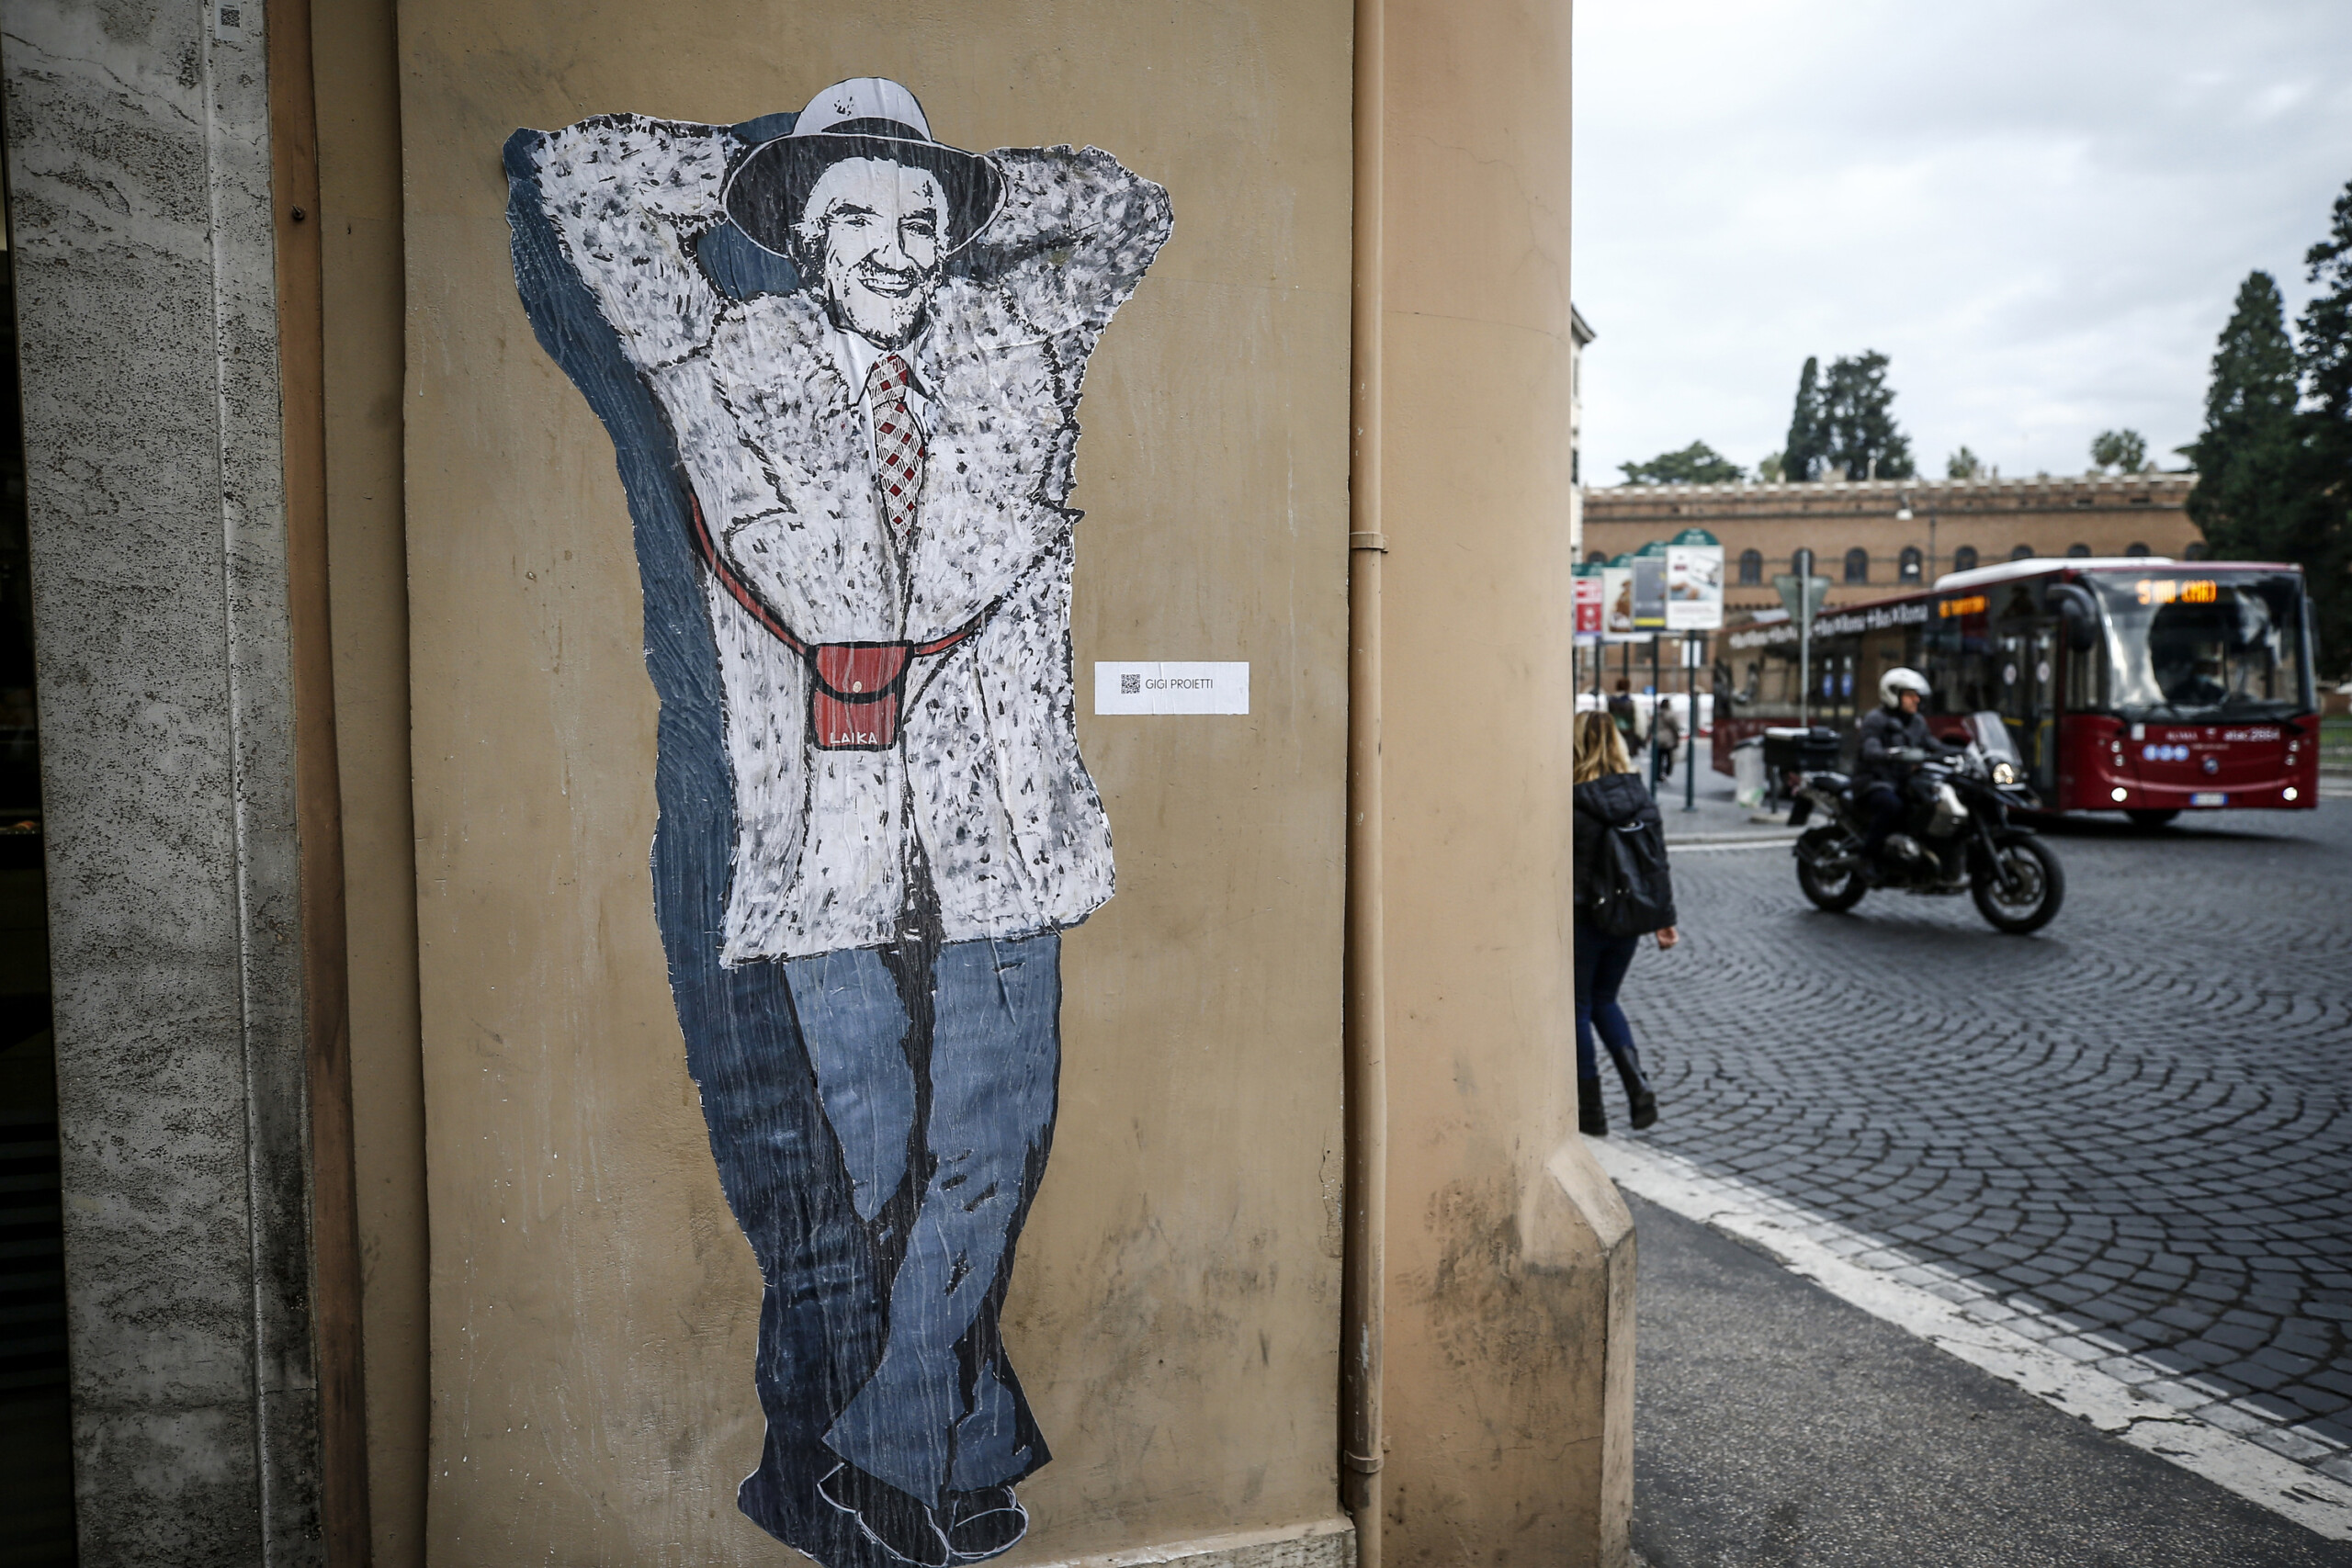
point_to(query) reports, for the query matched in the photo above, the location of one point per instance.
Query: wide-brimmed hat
(865, 117)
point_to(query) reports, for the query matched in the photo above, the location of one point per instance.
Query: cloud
(2040, 212)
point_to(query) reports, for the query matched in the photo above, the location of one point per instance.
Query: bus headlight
(2289, 792)
(2121, 795)
(2004, 774)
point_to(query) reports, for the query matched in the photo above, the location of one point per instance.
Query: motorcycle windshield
(1987, 731)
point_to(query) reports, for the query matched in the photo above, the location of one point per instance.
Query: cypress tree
(1808, 439)
(1858, 420)
(2244, 458)
(2319, 535)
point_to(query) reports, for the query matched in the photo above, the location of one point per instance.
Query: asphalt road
(2137, 1124)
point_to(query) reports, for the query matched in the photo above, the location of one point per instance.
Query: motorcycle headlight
(2004, 774)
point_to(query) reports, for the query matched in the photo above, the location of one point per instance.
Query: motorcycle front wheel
(1835, 894)
(2021, 888)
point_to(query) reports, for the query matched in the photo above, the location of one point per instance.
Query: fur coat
(985, 779)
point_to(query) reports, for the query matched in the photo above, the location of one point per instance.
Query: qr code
(1130, 685)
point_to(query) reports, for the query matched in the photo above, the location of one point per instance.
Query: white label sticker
(1170, 685)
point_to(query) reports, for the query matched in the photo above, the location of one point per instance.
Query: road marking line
(1814, 1248)
(1708, 846)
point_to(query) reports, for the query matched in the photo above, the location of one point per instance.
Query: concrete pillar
(188, 915)
(1509, 1345)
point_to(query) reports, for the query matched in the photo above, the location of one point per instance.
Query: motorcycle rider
(1895, 742)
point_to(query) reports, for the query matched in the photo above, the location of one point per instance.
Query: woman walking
(1623, 890)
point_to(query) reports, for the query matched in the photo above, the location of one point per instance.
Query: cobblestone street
(2133, 1131)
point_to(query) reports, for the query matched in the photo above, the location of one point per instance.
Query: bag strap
(743, 595)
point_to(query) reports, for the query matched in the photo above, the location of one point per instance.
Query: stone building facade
(1878, 537)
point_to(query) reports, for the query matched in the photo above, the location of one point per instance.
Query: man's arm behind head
(1072, 239)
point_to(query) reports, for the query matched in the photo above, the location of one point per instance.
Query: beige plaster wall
(1174, 1314)
(1510, 1277)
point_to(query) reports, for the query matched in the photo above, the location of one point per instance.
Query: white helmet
(1897, 681)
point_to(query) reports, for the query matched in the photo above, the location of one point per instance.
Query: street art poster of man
(840, 361)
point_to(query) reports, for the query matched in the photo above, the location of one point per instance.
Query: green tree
(1965, 465)
(1808, 445)
(1697, 464)
(1858, 412)
(2319, 534)
(1769, 469)
(2125, 451)
(2246, 455)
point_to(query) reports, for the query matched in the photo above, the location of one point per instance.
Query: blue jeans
(1601, 963)
(943, 1132)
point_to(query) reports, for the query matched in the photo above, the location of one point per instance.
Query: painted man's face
(881, 229)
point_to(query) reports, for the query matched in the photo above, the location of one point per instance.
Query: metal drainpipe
(1364, 1031)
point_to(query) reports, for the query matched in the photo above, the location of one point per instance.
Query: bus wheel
(2151, 818)
(1835, 892)
(2020, 888)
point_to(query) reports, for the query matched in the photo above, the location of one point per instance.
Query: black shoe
(1638, 1096)
(1591, 1118)
(897, 1522)
(983, 1523)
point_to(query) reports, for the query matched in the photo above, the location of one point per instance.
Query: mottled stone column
(137, 141)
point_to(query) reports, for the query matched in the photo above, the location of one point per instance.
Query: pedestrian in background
(1668, 729)
(1622, 891)
(1627, 716)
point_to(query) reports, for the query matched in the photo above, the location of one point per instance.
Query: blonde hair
(1601, 747)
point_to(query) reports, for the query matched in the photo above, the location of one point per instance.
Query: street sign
(1785, 583)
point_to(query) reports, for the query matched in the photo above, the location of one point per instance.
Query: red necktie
(898, 445)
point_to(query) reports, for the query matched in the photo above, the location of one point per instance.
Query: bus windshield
(2225, 645)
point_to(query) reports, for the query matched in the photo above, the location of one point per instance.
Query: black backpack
(1632, 892)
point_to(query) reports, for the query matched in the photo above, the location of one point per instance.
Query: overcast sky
(2040, 211)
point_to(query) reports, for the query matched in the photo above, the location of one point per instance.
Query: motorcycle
(1956, 836)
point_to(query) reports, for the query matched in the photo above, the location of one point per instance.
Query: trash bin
(1749, 787)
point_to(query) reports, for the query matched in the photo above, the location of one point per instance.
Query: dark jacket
(1885, 732)
(1612, 801)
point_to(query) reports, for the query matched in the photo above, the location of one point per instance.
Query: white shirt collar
(855, 355)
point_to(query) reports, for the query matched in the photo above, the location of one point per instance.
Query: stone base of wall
(1326, 1543)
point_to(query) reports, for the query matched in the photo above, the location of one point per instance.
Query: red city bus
(2135, 684)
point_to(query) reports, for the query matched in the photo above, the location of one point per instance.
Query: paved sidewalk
(1717, 818)
(1776, 1425)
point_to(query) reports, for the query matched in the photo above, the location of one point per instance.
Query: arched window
(1751, 568)
(1802, 563)
(1909, 563)
(1964, 558)
(2077, 551)
(2196, 551)
(2137, 548)
(1597, 558)
(1858, 565)
(2023, 552)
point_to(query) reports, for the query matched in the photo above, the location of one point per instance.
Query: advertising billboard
(1617, 601)
(1588, 596)
(1694, 582)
